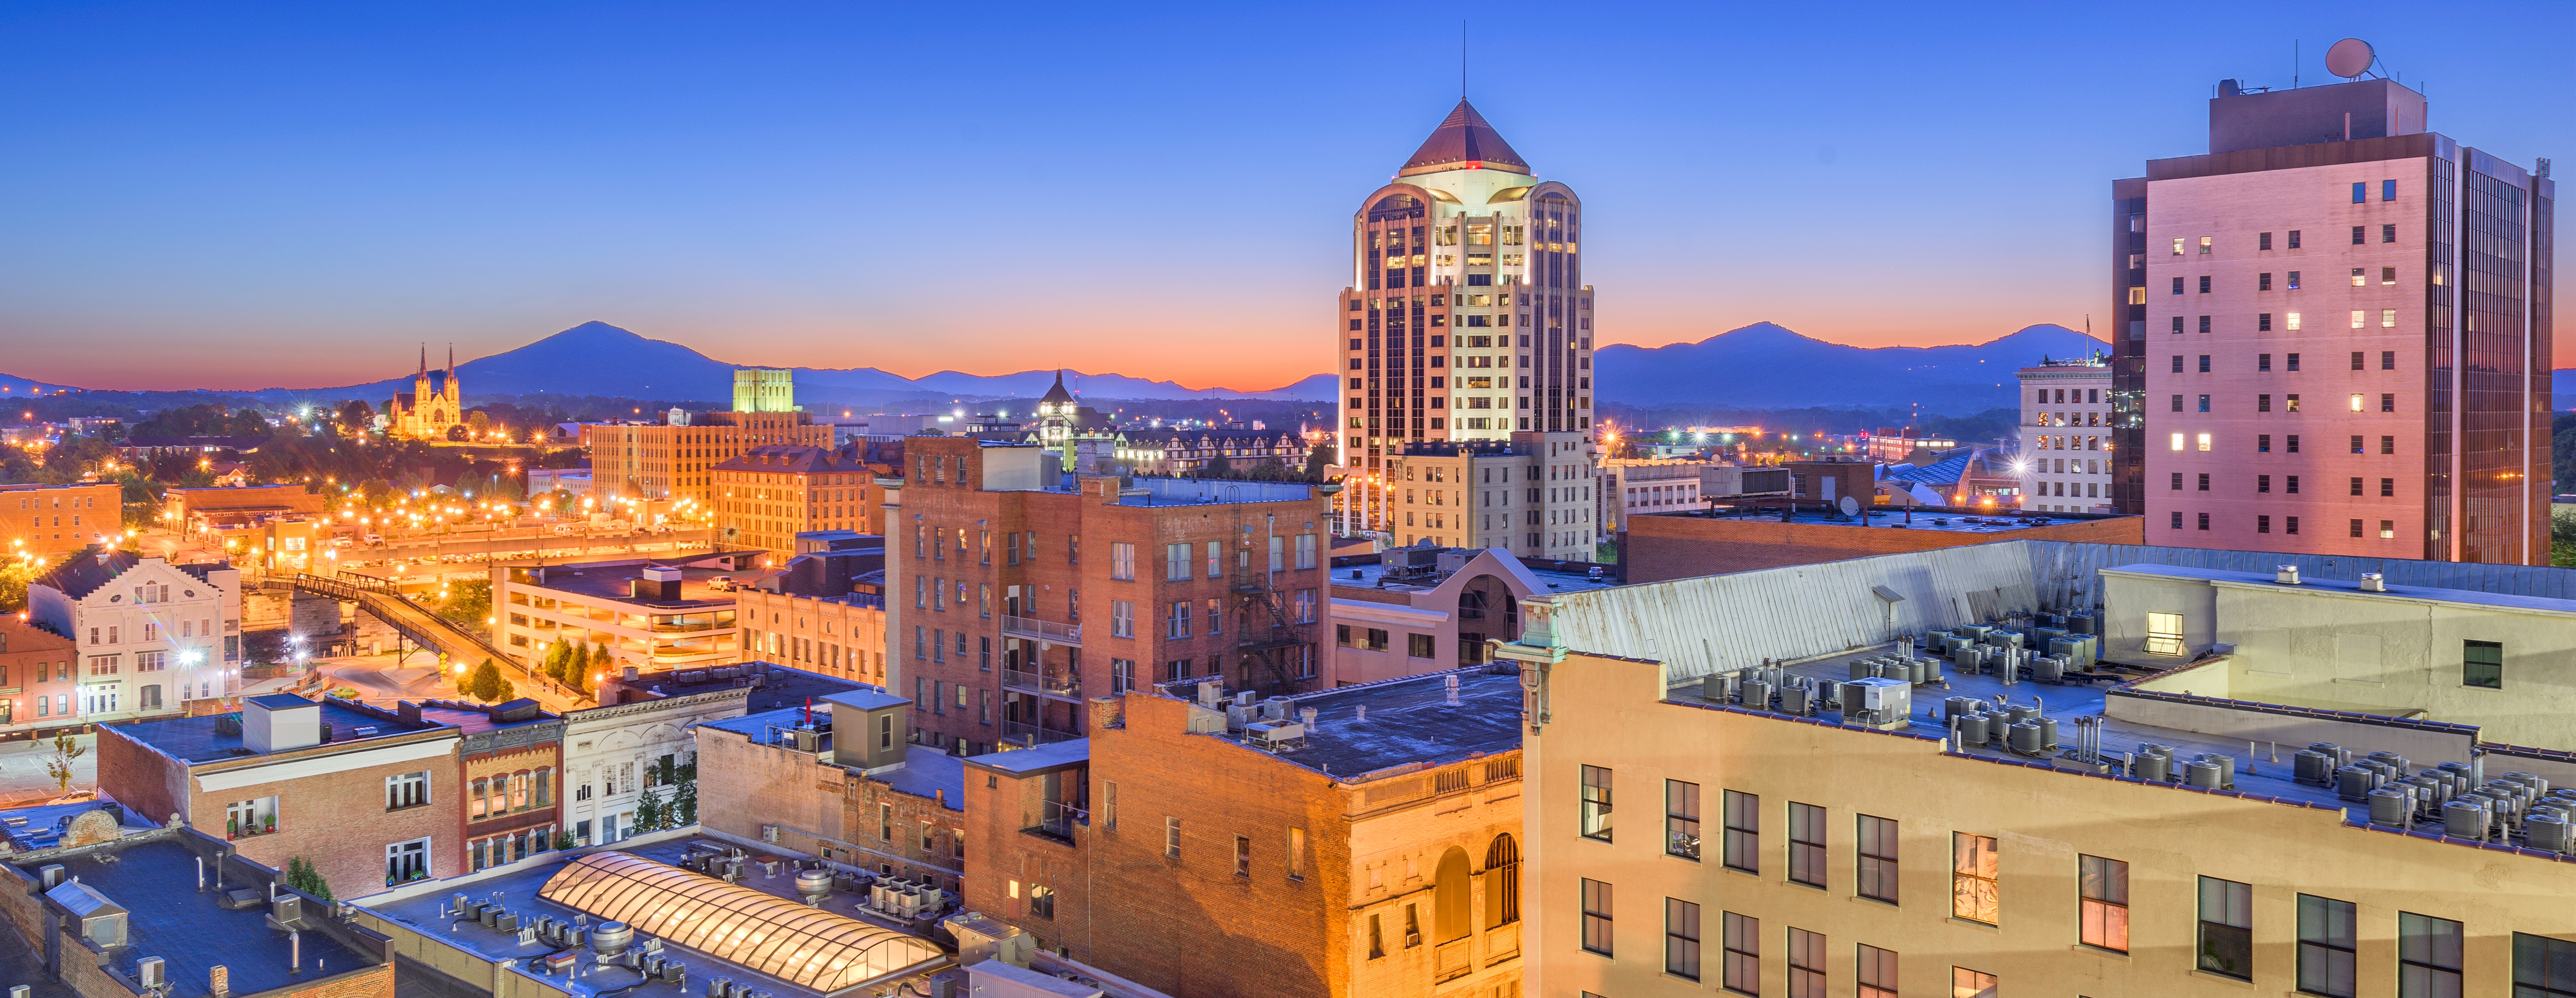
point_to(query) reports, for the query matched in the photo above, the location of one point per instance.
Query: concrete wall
(2205, 712)
(2380, 653)
(1661, 548)
(1606, 712)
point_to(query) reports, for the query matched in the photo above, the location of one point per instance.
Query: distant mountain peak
(1767, 365)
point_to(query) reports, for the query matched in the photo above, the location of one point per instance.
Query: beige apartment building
(675, 461)
(767, 496)
(652, 614)
(2372, 814)
(2066, 419)
(1532, 495)
(1633, 485)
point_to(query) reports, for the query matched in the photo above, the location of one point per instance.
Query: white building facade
(151, 635)
(2065, 461)
(613, 754)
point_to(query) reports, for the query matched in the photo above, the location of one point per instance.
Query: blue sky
(226, 196)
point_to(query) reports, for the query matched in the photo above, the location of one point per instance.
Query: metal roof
(1463, 142)
(807, 947)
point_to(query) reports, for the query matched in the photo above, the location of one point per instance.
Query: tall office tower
(2337, 335)
(1467, 317)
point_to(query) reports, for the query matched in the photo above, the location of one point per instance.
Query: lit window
(1965, 983)
(2204, 441)
(2104, 884)
(1974, 895)
(2177, 246)
(2357, 279)
(2164, 634)
(2294, 320)
(2204, 244)
(2177, 441)
(2387, 318)
(2359, 317)
(2356, 403)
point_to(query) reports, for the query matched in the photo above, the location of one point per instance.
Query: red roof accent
(1464, 141)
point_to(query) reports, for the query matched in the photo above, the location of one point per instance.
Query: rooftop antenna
(1462, 60)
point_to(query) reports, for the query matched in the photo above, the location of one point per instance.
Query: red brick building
(1361, 841)
(841, 780)
(370, 799)
(37, 669)
(1014, 590)
(511, 766)
(1660, 547)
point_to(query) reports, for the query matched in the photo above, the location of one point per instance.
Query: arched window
(1502, 881)
(1451, 918)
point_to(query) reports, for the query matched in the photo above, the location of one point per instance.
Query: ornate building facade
(434, 405)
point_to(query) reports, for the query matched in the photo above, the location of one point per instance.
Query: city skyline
(757, 187)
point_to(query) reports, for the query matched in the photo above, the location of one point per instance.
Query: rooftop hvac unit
(2373, 582)
(152, 973)
(1881, 703)
(1275, 732)
(2550, 832)
(2464, 820)
(1757, 695)
(2391, 807)
(769, 833)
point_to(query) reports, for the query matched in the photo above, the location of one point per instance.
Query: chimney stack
(1453, 690)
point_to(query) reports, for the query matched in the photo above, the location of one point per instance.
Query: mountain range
(596, 358)
(1765, 366)
(1760, 366)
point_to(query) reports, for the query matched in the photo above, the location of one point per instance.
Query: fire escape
(1030, 681)
(1270, 646)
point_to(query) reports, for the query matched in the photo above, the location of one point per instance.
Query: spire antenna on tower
(1462, 58)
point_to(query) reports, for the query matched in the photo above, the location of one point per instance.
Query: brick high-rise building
(1467, 317)
(2336, 335)
(1015, 589)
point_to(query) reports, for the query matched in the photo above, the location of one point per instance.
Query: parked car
(375, 540)
(720, 583)
(566, 529)
(342, 542)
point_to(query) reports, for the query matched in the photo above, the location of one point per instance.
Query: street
(22, 770)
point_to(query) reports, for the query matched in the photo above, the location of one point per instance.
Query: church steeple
(424, 359)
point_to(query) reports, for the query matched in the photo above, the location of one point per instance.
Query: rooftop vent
(2287, 575)
(2373, 582)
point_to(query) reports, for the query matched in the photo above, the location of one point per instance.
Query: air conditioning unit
(152, 973)
(769, 833)
(1275, 732)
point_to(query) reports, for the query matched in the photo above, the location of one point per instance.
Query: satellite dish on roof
(2350, 58)
(1850, 505)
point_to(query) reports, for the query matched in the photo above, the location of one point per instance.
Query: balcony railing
(1054, 684)
(1033, 629)
(1032, 734)
(1057, 820)
(1453, 959)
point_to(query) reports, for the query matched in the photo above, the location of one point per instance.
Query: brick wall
(1661, 548)
(339, 822)
(743, 787)
(151, 785)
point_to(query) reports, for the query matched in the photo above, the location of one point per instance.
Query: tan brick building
(512, 754)
(663, 461)
(50, 521)
(1362, 841)
(1014, 590)
(37, 681)
(765, 497)
(842, 636)
(840, 780)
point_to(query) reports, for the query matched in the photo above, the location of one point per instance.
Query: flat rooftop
(1202, 491)
(1407, 720)
(196, 740)
(1892, 518)
(1375, 577)
(2066, 702)
(39, 826)
(926, 772)
(773, 686)
(517, 886)
(2468, 597)
(1021, 762)
(608, 580)
(165, 917)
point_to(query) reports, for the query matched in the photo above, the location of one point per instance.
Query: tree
(14, 577)
(576, 663)
(684, 802)
(1318, 459)
(649, 816)
(556, 656)
(66, 749)
(477, 423)
(301, 875)
(1219, 466)
(469, 605)
(601, 663)
(356, 416)
(487, 685)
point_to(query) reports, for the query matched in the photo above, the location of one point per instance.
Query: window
(1171, 837)
(2204, 289)
(1503, 879)
(2387, 318)
(2482, 664)
(2263, 445)
(2360, 193)
(1743, 942)
(2292, 321)
(2204, 403)
(2293, 365)
(1122, 618)
(1122, 561)
(1419, 645)
(1041, 902)
(2204, 363)
(2359, 278)
(2204, 244)
(2388, 445)
(1973, 894)
(2357, 231)
(1596, 917)
(2164, 632)
(2202, 440)
(1743, 832)
(1806, 845)
(1242, 856)
(1877, 860)
(1681, 938)
(2294, 244)
(2388, 192)
(2177, 405)
(2388, 275)
(2227, 928)
(1377, 938)
(407, 790)
(1681, 819)
(2388, 360)
(2325, 946)
(1876, 969)
(1176, 620)
(1806, 964)
(2542, 967)
(406, 861)
(2104, 884)
(2263, 242)
(2263, 402)
(474, 799)
(2428, 956)
(1965, 983)
(1176, 561)
(1596, 803)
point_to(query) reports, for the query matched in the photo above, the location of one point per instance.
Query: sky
(249, 196)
